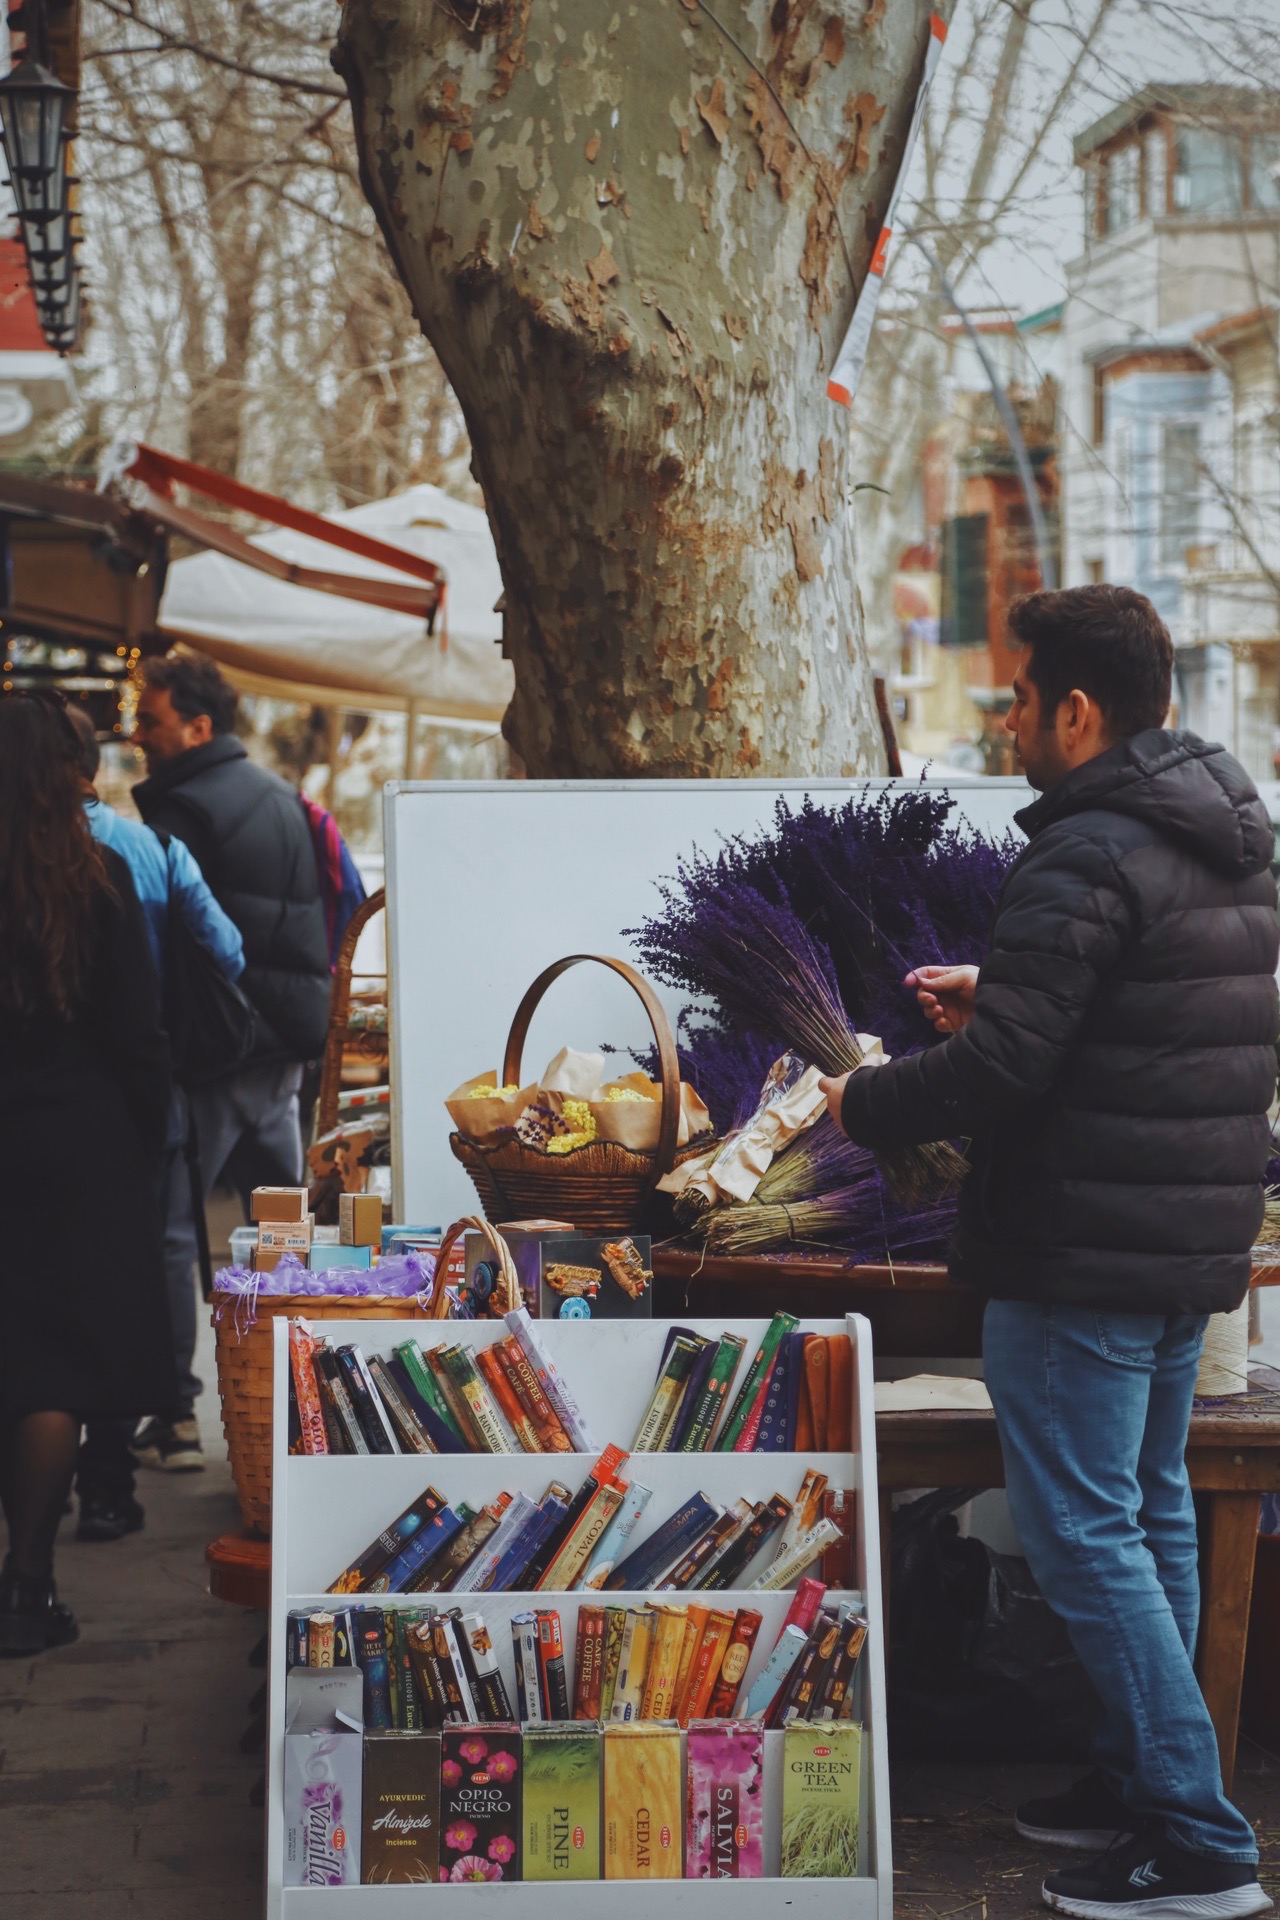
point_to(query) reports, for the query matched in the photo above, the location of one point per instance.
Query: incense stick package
(695, 1625)
(733, 1666)
(615, 1627)
(802, 1555)
(838, 1678)
(400, 1842)
(320, 1640)
(588, 1663)
(406, 1709)
(757, 1374)
(608, 1548)
(488, 1686)
(706, 1663)
(558, 1566)
(807, 1510)
(713, 1394)
(451, 1394)
(409, 1429)
(773, 1676)
(302, 1347)
(647, 1563)
(477, 1528)
(476, 1576)
(659, 1694)
(426, 1672)
(805, 1602)
(507, 1401)
(703, 1552)
(411, 1357)
(420, 1553)
(563, 1769)
(462, 1370)
(553, 1384)
(480, 1822)
(741, 1513)
(553, 1680)
(659, 1416)
(633, 1664)
(820, 1800)
(838, 1505)
(527, 1388)
(379, 1554)
(459, 1706)
(743, 1548)
(642, 1803)
(724, 1810)
(524, 1640)
(795, 1700)
(515, 1570)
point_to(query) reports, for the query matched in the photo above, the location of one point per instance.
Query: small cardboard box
(267, 1259)
(724, 1816)
(285, 1236)
(360, 1219)
(279, 1203)
(562, 1764)
(643, 1814)
(400, 1844)
(821, 1787)
(323, 1739)
(480, 1802)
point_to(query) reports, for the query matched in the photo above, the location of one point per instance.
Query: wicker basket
(244, 1376)
(601, 1187)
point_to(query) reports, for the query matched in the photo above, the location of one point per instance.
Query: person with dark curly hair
(84, 1097)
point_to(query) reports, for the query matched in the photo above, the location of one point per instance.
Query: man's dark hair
(90, 752)
(1108, 641)
(195, 686)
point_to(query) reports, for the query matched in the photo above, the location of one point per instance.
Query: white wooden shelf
(326, 1511)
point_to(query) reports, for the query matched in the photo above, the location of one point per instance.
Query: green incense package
(821, 1780)
(757, 1373)
(562, 1769)
(714, 1394)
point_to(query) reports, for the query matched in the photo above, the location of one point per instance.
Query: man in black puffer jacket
(1112, 1063)
(249, 834)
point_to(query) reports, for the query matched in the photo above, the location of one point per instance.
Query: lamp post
(34, 108)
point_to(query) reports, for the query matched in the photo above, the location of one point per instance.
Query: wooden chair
(342, 1036)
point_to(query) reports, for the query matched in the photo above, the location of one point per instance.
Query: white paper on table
(930, 1392)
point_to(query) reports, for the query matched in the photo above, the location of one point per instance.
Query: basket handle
(437, 1302)
(669, 1065)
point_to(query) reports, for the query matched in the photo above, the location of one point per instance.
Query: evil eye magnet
(574, 1310)
(484, 1278)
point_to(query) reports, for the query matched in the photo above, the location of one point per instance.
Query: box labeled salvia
(724, 1803)
(400, 1838)
(821, 1775)
(561, 1792)
(323, 1718)
(480, 1803)
(279, 1203)
(643, 1811)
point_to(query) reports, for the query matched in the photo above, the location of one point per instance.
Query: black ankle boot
(31, 1615)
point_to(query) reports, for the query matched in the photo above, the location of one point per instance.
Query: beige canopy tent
(292, 642)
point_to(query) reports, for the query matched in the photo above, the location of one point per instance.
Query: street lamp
(34, 105)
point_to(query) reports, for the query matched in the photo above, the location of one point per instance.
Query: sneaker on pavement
(172, 1445)
(31, 1615)
(108, 1516)
(1145, 1877)
(1089, 1815)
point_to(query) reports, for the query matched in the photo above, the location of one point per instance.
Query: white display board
(488, 882)
(325, 1511)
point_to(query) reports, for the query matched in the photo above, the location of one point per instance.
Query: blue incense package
(424, 1546)
(643, 1568)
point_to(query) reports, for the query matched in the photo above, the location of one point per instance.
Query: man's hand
(834, 1090)
(946, 995)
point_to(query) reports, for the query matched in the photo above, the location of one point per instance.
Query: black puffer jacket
(1116, 1073)
(249, 835)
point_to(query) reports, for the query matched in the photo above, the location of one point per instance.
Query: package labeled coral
(480, 1803)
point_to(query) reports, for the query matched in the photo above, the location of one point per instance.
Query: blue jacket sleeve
(1063, 920)
(190, 896)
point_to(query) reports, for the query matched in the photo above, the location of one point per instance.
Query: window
(1121, 188)
(1099, 406)
(964, 581)
(1097, 571)
(1264, 171)
(1179, 491)
(1208, 176)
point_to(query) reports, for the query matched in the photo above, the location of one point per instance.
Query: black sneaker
(31, 1615)
(1089, 1815)
(1145, 1877)
(105, 1516)
(172, 1445)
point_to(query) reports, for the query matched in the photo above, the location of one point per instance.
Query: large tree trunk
(633, 235)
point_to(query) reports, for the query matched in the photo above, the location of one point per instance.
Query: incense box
(733, 1667)
(643, 1812)
(802, 1555)
(821, 1775)
(524, 1643)
(480, 1803)
(561, 1791)
(633, 1663)
(772, 1676)
(553, 1680)
(615, 1626)
(807, 1510)
(706, 1664)
(566, 1408)
(487, 1683)
(635, 1499)
(695, 1623)
(322, 1778)
(379, 1554)
(320, 1640)
(400, 1839)
(724, 1803)
(588, 1663)
(658, 1700)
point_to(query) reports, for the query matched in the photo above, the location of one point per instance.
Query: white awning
(286, 639)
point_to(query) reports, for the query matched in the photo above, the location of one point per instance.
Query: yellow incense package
(664, 1665)
(643, 1802)
(633, 1663)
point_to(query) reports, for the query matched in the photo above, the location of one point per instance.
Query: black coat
(250, 838)
(1116, 1072)
(83, 1110)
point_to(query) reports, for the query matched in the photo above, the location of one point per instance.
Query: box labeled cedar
(561, 1793)
(821, 1777)
(480, 1803)
(643, 1814)
(401, 1806)
(724, 1807)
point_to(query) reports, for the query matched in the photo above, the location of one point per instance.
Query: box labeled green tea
(562, 1768)
(821, 1779)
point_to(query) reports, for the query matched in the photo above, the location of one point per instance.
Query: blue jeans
(1093, 1410)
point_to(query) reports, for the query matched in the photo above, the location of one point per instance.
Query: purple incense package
(724, 1809)
(323, 1768)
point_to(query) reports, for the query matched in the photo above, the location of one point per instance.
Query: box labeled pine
(643, 1815)
(561, 1793)
(401, 1805)
(480, 1803)
(821, 1776)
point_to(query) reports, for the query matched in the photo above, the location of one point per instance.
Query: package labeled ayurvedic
(724, 1801)
(400, 1844)
(821, 1775)
(561, 1792)
(643, 1814)
(480, 1803)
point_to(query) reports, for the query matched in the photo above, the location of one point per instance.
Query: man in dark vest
(248, 832)
(1111, 1063)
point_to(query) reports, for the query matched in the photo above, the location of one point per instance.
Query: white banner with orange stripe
(852, 356)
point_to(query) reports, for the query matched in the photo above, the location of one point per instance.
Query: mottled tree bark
(633, 234)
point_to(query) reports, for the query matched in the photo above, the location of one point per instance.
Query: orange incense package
(706, 1665)
(508, 1403)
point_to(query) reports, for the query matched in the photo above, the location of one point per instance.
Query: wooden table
(1233, 1452)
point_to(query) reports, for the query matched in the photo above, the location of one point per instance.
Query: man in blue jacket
(1111, 1065)
(167, 880)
